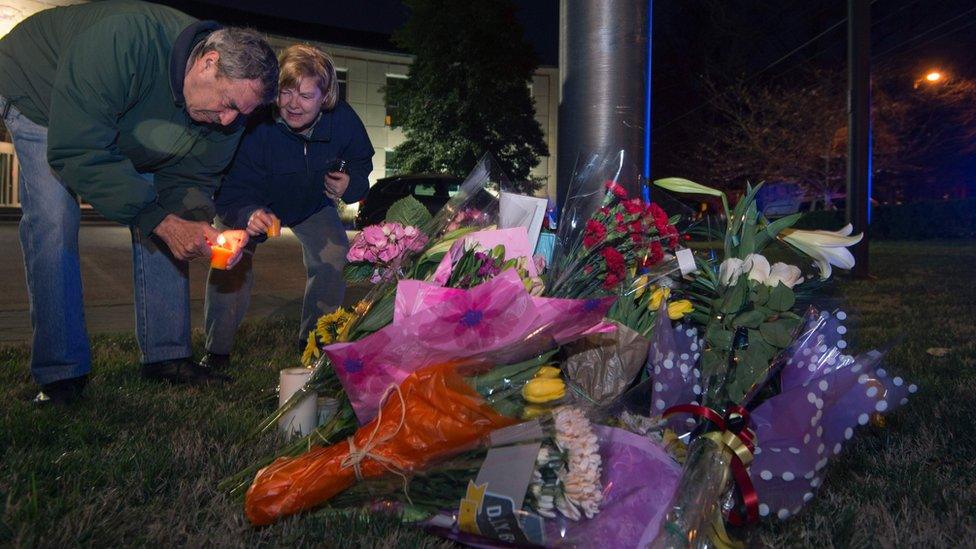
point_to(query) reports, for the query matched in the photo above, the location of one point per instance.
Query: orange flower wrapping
(439, 415)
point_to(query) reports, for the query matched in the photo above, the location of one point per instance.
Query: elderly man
(136, 109)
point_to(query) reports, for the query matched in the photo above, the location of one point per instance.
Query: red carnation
(594, 233)
(611, 281)
(633, 206)
(657, 253)
(615, 261)
(616, 189)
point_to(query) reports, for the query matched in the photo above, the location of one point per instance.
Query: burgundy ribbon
(739, 471)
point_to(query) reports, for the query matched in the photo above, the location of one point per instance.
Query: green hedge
(916, 221)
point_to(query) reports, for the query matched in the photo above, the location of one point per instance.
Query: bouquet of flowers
(558, 480)
(747, 313)
(380, 250)
(609, 237)
(434, 413)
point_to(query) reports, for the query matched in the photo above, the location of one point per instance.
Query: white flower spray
(567, 476)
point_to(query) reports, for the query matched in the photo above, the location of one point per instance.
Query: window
(341, 75)
(391, 163)
(392, 109)
(425, 189)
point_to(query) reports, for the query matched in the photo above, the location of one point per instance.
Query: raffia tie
(356, 455)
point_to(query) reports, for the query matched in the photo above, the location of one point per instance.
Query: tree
(466, 92)
(797, 132)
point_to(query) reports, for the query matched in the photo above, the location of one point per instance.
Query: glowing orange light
(933, 76)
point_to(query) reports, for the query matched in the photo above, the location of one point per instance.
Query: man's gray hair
(244, 55)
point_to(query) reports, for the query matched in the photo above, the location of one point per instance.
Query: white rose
(730, 270)
(789, 275)
(757, 266)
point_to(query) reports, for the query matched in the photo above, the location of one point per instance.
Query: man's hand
(260, 221)
(336, 184)
(235, 240)
(186, 239)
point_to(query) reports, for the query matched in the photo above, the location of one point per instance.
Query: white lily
(684, 186)
(787, 275)
(826, 248)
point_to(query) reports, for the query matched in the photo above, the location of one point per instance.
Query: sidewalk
(106, 270)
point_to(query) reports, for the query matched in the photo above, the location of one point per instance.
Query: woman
(285, 174)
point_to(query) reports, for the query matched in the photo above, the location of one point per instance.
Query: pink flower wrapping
(432, 324)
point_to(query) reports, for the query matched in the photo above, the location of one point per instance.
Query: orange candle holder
(219, 256)
(275, 229)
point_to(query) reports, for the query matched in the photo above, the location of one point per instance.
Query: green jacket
(106, 79)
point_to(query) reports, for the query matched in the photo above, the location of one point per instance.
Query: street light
(930, 78)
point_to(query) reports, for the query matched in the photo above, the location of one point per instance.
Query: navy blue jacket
(282, 171)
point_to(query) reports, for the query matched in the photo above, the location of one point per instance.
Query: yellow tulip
(548, 372)
(678, 309)
(659, 296)
(532, 411)
(639, 286)
(541, 390)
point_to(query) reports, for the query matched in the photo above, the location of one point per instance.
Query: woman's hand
(336, 184)
(260, 221)
(235, 240)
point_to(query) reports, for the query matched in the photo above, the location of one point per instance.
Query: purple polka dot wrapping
(825, 394)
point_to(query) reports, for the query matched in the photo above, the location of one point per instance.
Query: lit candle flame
(221, 240)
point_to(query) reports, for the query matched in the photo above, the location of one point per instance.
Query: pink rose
(356, 253)
(375, 236)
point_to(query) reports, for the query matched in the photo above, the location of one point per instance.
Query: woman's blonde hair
(302, 61)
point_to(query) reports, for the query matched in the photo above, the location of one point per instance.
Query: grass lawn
(136, 463)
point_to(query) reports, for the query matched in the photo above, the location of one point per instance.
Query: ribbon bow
(732, 434)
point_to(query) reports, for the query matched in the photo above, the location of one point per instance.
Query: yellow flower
(311, 349)
(542, 389)
(674, 446)
(331, 327)
(548, 372)
(678, 309)
(640, 286)
(532, 411)
(360, 308)
(660, 295)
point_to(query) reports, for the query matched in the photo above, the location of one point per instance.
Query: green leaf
(750, 369)
(759, 295)
(408, 211)
(747, 244)
(773, 229)
(713, 362)
(749, 319)
(781, 298)
(735, 297)
(357, 272)
(718, 338)
(779, 333)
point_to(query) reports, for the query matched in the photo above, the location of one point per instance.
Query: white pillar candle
(302, 419)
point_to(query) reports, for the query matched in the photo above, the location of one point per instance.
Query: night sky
(761, 41)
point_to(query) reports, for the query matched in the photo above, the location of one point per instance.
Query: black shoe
(181, 370)
(63, 391)
(216, 362)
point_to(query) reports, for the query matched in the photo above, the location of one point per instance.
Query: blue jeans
(49, 240)
(324, 247)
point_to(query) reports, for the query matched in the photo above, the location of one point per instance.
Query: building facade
(362, 74)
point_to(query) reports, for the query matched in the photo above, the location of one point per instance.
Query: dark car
(432, 190)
